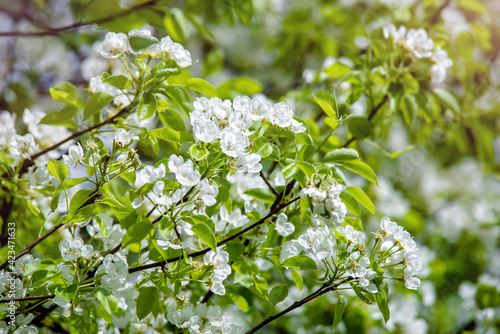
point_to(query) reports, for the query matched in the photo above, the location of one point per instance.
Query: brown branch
(321, 291)
(223, 242)
(263, 176)
(93, 196)
(77, 25)
(370, 116)
(29, 162)
(4, 301)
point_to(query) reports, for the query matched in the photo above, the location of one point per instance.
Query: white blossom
(208, 192)
(282, 226)
(114, 45)
(75, 248)
(123, 137)
(75, 155)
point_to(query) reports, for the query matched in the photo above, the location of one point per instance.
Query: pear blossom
(419, 43)
(441, 63)
(412, 283)
(208, 192)
(186, 175)
(233, 142)
(114, 45)
(249, 163)
(397, 34)
(282, 226)
(356, 265)
(75, 248)
(123, 137)
(149, 174)
(75, 155)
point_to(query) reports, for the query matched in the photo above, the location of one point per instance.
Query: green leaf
(350, 202)
(360, 294)
(66, 292)
(34, 210)
(95, 103)
(333, 123)
(234, 250)
(447, 99)
(306, 152)
(341, 154)
(64, 92)
(464, 45)
(79, 199)
(339, 311)
(147, 301)
(382, 305)
(290, 170)
(300, 262)
(278, 293)
(171, 119)
(261, 147)
(63, 117)
(472, 5)
(165, 68)
(359, 167)
(354, 222)
(360, 127)
(487, 297)
(297, 279)
(409, 108)
(176, 25)
(202, 219)
(147, 106)
(240, 301)
(225, 198)
(58, 169)
(240, 86)
(198, 151)
(137, 232)
(201, 86)
(307, 168)
(327, 108)
(108, 301)
(118, 81)
(31, 268)
(138, 43)
(337, 70)
(261, 194)
(102, 226)
(260, 283)
(206, 235)
(181, 97)
(165, 134)
(361, 197)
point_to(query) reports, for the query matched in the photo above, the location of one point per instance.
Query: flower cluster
(202, 319)
(71, 250)
(116, 44)
(214, 119)
(17, 146)
(417, 41)
(220, 269)
(395, 238)
(326, 201)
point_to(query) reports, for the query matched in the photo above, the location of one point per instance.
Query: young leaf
(176, 25)
(361, 197)
(300, 262)
(137, 232)
(326, 107)
(447, 99)
(260, 283)
(198, 152)
(278, 293)
(362, 169)
(165, 69)
(147, 106)
(34, 210)
(171, 119)
(261, 147)
(382, 305)
(95, 103)
(337, 70)
(339, 311)
(118, 81)
(165, 134)
(203, 232)
(297, 279)
(201, 86)
(351, 203)
(341, 154)
(147, 300)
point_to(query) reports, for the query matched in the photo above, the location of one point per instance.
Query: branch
(223, 242)
(370, 116)
(4, 301)
(30, 161)
(77, 25)
(93, 196)
(321, 291)
(263, 176)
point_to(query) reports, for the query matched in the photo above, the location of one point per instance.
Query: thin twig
(263, 176)
(321, 291)
(76, 25)
(370, 116)
(4, 301)
(223, 242)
